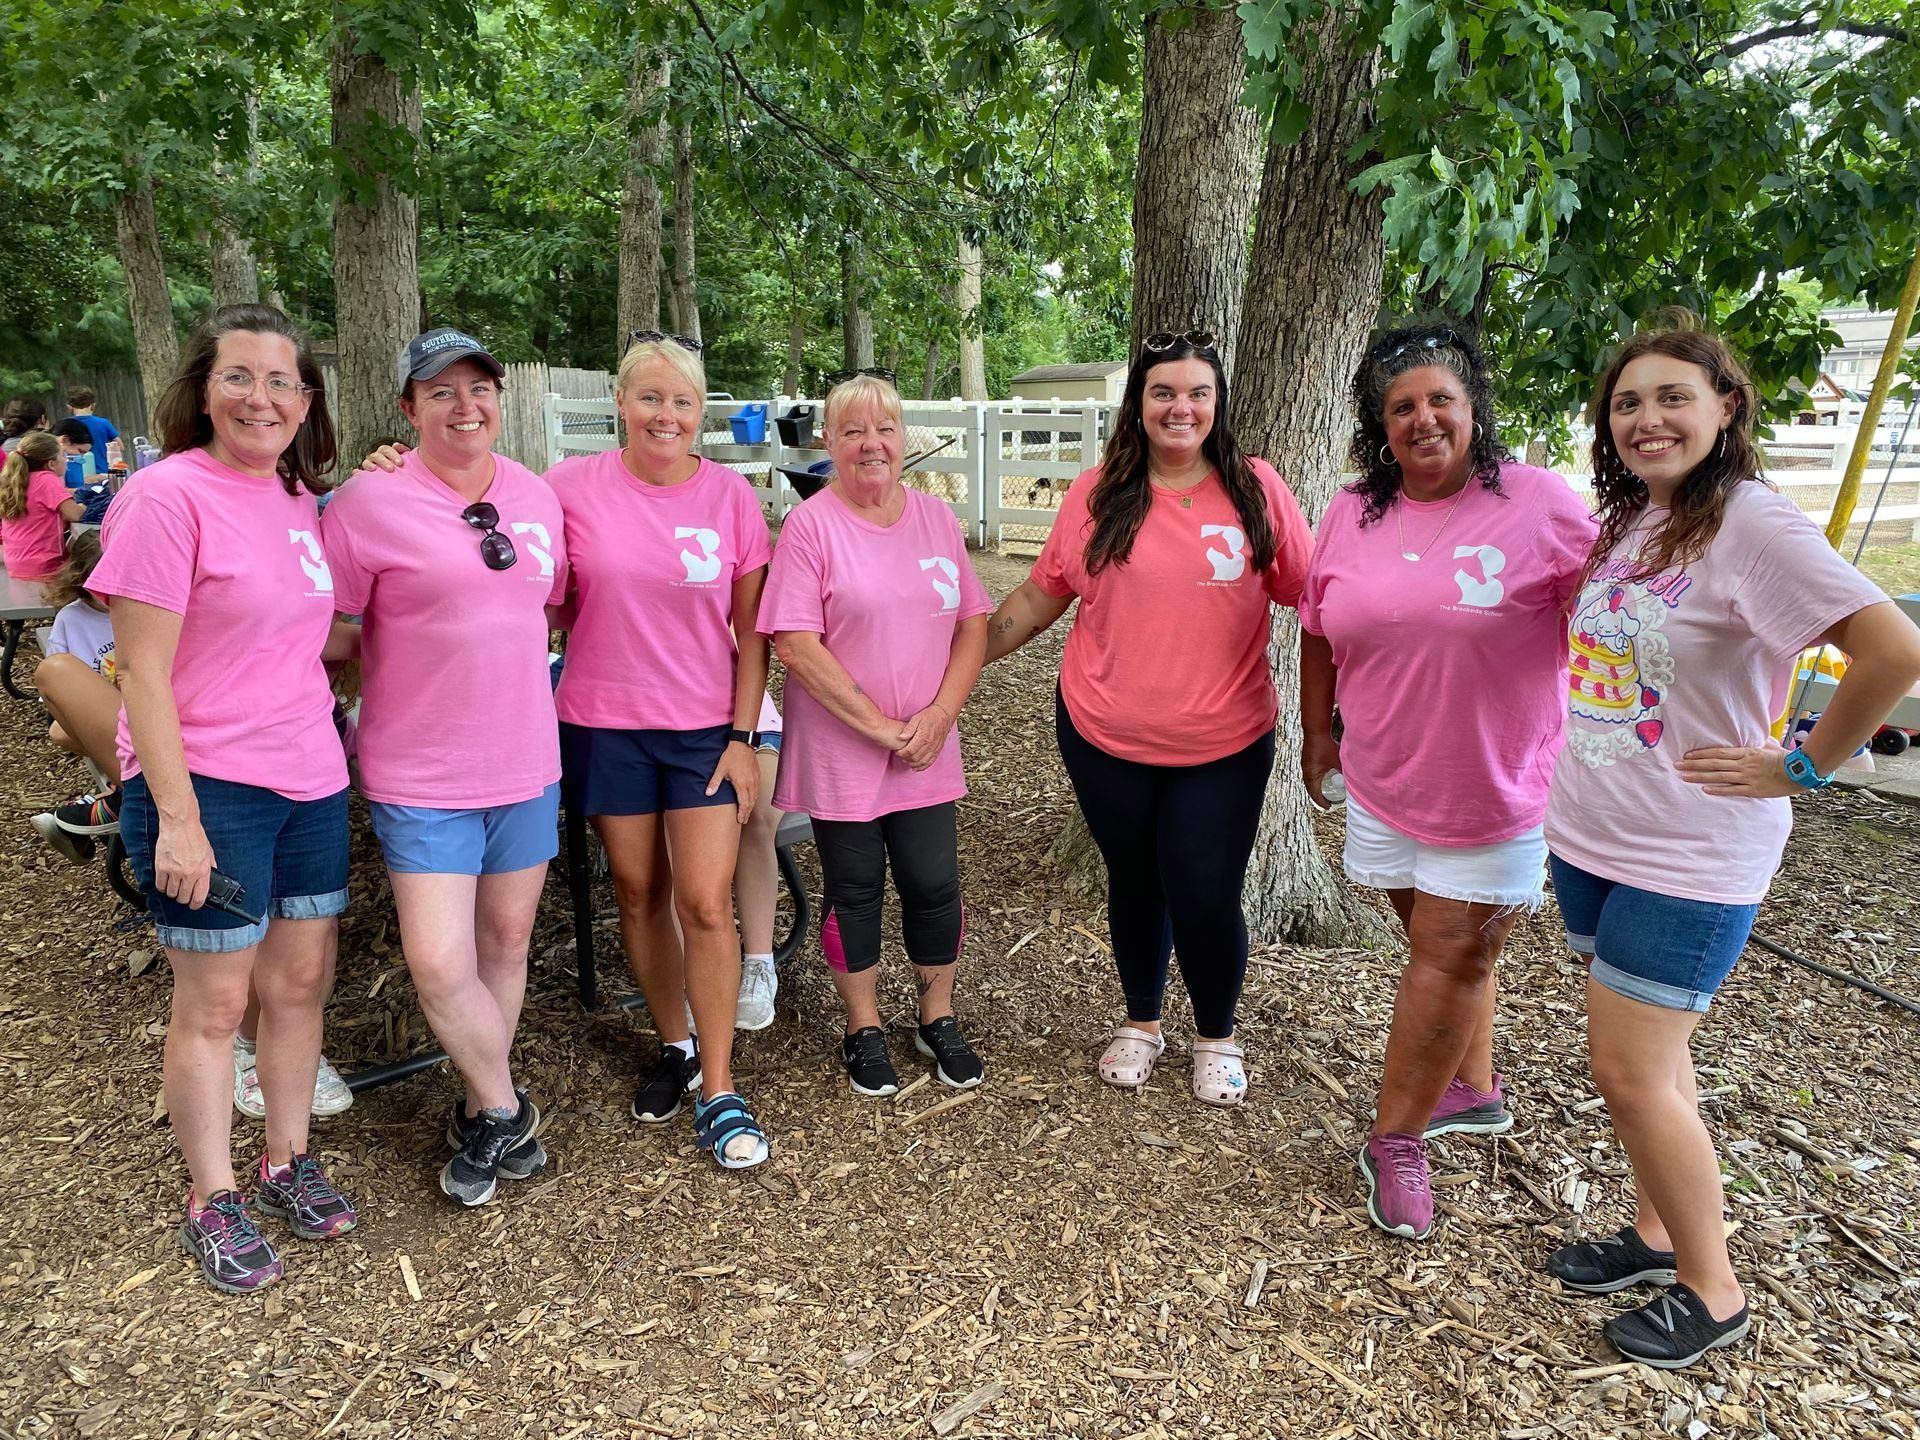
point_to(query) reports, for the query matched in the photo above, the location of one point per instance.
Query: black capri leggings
(1176, 839)
(922, 846)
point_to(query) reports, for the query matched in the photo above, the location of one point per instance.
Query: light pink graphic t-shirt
(652, 643)
(885, 600)
(239, 560)
(1450, 669)
(457, 705)
(1685, 659)
(36, 541)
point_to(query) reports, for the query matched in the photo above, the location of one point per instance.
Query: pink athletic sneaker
(1466, 1111)
(1399, 1197)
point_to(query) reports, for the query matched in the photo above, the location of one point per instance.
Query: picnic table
(21, 601)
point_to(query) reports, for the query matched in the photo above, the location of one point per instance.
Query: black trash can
(796, 427)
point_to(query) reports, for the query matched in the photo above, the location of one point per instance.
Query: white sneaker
(330, 1092)
(758, 986)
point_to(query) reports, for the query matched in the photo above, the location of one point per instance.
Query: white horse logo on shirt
(1233, 564)
(1480, 594)
(703, 568)
(538, 545)
(314, 562)
(948, 590)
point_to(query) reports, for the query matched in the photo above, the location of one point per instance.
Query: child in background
(76, 681)
(76, 445)
(106, 436)
(35, 508)
(756, 882)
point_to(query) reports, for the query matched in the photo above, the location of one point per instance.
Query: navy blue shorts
(289, 855)
(1657, 949)
(640, 772)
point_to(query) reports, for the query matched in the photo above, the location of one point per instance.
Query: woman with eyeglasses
(1177, 546)
(235, 788)
(662, 688)
(451, 561)
(1433, 617)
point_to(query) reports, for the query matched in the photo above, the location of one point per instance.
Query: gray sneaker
(473, 1175)
(758, 986)
(522, 1162)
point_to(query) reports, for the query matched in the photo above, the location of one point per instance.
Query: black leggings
(1176, 839)
(923, 848)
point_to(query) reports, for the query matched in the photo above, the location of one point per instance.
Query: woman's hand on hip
(1319, 755)
(738, 765)
(924, 737)
(182, 861)
(1757, 772)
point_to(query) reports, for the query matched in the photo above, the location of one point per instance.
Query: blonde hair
(862, 392)
(83, 553)
(684, 363)
(37, 450)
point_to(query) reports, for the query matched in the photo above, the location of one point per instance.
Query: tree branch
(1800, 29)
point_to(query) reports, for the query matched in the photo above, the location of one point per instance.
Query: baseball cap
(425, 356)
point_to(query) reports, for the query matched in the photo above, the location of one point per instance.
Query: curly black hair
(1391, 354)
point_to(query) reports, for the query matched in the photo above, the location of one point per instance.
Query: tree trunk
(930, 376)
(796, 350)
(233, 273)
(1197, 175)
(155, 340)
(639, 302)
(376, 270)
(1313, 293)
(686, 303)
(973, 341)
(856, 321)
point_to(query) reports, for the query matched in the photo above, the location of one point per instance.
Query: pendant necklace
(1186, 496)
(1399, 525)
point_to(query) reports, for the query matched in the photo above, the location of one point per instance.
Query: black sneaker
(77, 848)
(523, 1161)
(472, 1175)
(1610, 1263)
(1673, 1330)
(953, 1059)
(869, 1071)
(90, 815)
(660, 1094)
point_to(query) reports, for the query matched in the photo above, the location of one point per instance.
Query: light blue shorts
(422, 840)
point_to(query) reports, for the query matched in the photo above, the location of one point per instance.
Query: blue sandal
(721, 1120)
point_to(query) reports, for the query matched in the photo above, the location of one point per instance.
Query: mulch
(1042, 1257)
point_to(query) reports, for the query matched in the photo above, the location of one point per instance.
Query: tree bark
(639, 303)
(686, 301)
(1313, 293)
(376, 270)
(155, 341)
(930, 376)
(856, 321)
(1196, 178)
(973, 341)
(233, 273)
(796, 350)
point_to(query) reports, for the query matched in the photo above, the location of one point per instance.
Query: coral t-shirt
(652, 644)
(1450, 670)
(1685, 659)
(885, 601)
(35, 542)
(1166, 663)
(457, 704)
(239, 560)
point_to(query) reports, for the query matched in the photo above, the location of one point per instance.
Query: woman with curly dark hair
(1434, 615)
(1177, 546)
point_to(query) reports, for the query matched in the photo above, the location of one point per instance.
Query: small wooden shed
(1102, 380)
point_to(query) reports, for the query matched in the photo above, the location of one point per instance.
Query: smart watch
(1800, 770)
(751, 738)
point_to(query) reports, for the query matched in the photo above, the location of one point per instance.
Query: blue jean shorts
(290, 857)
(1657, 949)
(496, 840)
(640, 772)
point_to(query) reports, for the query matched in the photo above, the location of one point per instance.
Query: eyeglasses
(496, 549)
(878, 372)
(238, 385)
(1166, 339)
(652, 337)
(1438, 340)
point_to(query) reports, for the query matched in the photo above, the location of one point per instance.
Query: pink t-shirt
(239, 560)
(1703, 656)
(457, 707)
(36, 542)
(652, 643)
(1166, 663)
(1450, 670)
(885, 600)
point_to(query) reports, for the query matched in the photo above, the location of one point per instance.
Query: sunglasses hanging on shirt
(495, 549)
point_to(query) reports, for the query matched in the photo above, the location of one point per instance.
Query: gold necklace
(1186, 495)
(1399, 513)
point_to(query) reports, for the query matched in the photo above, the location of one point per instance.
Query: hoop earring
(1477, 432)
(1387, 457)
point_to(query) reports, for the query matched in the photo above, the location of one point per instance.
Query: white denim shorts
(1509, 872)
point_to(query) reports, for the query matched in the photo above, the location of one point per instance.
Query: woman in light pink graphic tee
(1671, 806)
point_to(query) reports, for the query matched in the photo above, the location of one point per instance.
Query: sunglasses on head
(878, 372)
(495, 549)
(1438, 340)
(1166, 339)
(649, 337)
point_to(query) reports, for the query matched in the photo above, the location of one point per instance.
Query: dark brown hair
(1391, 355)
(80, 397)
(23, 415)
(181, 420)
(1118, 505)
(1700, 503)
(83, 553)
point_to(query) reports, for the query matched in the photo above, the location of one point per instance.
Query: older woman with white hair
(876, 612)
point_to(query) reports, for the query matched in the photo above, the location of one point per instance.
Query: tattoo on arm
(1005, 626)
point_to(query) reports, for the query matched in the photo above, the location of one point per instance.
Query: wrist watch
(1801, 771)
(748, 738)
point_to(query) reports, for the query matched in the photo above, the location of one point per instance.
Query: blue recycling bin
(749, 425)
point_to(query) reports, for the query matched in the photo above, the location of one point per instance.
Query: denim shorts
(1507, 873)
(769, 742)
(640, 772)
(1657, 949)
(290, 856)
(496, 840)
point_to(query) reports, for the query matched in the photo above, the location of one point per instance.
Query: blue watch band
(1800, 770)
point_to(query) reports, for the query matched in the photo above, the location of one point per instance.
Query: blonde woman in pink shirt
(1433, 617)
(1671, 807)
